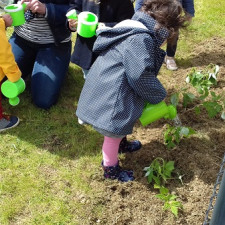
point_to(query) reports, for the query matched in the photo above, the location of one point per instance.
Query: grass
(48, 164)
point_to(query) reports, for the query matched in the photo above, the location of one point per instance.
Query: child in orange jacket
(8, 68)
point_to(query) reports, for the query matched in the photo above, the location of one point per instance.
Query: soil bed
(197, 158)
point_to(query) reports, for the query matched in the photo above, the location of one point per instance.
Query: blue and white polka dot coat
(124, 76)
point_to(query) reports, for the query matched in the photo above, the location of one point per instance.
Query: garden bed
(197, 159)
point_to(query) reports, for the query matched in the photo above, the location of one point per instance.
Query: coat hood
(139, 23)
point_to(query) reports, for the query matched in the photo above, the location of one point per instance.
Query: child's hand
(35, 6)
(72, 24)
(8, 20)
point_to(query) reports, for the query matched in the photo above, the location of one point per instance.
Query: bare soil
(197, 158)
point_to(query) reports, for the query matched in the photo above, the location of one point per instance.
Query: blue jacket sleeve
(141, 72)
(56, 13)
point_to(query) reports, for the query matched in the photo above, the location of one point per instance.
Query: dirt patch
(198, 159)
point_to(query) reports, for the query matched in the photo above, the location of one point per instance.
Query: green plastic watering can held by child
(153, 112)
(11, 90)
(16, 11)
(87, 23)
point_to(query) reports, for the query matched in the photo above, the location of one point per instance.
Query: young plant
(159, 171)
(173, 135)
(170, 202)
(202, 81)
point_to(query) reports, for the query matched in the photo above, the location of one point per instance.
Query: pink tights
(110, 150)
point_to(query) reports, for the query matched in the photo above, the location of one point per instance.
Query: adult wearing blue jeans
(188, 6)
(42, 48)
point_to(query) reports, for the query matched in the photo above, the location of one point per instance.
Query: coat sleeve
(57, 14)
(8, 66)
(140, 70)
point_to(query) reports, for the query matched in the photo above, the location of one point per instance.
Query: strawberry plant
(202, 81)
(173, 135)
(170, 202)
(159, 171)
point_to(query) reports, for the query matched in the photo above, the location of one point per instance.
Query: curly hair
(167, 13)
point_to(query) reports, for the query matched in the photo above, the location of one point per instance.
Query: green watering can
(153, 112)
(11, 90)
(16, 11)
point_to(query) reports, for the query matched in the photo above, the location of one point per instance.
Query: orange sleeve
(8, 65)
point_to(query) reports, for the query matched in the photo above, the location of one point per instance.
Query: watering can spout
(153, 112)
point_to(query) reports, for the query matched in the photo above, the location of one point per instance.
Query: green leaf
(197, 110)
(156, 186)
(184, 131)
(174, 99)
(169, 166)
(163, 190)
(187, 98)
(174, 210)
(213, 108)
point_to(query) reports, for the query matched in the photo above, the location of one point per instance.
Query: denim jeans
(47, 64)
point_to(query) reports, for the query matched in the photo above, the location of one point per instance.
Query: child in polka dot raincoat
(124, 77)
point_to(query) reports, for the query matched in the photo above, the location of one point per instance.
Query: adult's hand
(35, 6)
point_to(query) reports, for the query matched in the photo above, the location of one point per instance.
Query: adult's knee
(44, 103)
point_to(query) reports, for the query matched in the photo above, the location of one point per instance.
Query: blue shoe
(8, 122)
(129, 146)
(115, 172)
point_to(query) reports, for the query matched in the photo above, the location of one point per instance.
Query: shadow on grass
(56, 130)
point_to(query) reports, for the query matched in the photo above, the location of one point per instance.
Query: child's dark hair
(167, 13)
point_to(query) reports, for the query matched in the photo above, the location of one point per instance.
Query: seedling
(159, 171)
(173, 135)
(202, 81)
(170, 202)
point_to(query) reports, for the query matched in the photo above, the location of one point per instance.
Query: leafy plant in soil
(170, 202)
(174, 134)
(159, 172)
(202, 81)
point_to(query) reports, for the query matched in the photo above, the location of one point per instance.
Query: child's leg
(110, 151)
(6, 121)
(110, 164)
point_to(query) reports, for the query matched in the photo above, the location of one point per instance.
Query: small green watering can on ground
(11, 90)
(153, 112)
